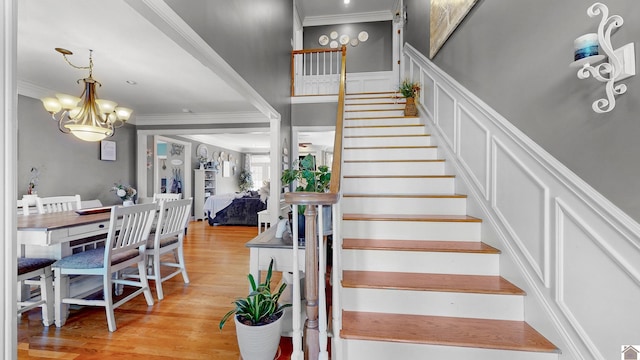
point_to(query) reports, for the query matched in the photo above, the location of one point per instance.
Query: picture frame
(107, 150)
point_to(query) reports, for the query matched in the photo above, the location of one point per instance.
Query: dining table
(60, 234)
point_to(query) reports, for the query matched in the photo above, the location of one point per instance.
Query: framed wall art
(108, 150)
(446, 15)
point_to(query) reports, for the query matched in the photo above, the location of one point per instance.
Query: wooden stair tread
(394, 161)
(383, 136)
(375, 103)
(382, 126)
(397, 108)
(380, 117)
(478, 284)
(409, 196)
(411, 217)
(390, 147)
(397, 176)
(446, 331)
(419, 245)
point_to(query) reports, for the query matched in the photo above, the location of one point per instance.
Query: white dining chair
(157, 197)
(40, 270)
(54, 204)
(168, 238)
(125, 247)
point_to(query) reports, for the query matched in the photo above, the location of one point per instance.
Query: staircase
(418, 283)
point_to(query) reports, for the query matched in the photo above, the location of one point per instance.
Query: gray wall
(314, 114)
(254, 37)
(373, 55)
(515, 55)
(68, 165)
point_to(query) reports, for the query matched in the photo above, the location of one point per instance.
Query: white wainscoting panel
(427, 83)
(578, 259)
(473, 149)
(584, 260)
(371, 82)
(445, 112)
(520, 199)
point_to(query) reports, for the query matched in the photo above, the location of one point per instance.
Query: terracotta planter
(410, 108)
(258, 342)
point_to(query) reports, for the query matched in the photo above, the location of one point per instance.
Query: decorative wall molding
(523, 219)
(578, 238)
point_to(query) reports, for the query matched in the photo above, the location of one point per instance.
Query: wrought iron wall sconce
(618, 64)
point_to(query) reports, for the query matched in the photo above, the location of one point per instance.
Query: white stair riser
(421, 262)
(390, 104)
(384, 130)
(411, 230)
(398, 185)
(388, 121)
(384, 205)
(357, 113)
(382, 350)
(421, 140)
(434, 303)
(394, 168)
(423, 153)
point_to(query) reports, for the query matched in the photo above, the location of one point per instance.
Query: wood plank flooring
(182, 326)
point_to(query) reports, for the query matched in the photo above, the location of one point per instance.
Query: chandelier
(94, 119)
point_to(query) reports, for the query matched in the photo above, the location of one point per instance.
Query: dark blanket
(242, 211)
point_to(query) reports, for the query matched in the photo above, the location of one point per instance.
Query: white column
(8, 166)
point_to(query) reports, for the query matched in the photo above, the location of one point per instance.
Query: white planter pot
(127, 203)
(258, 342)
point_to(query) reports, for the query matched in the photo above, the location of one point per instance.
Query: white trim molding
(384, 15)
(575, 253)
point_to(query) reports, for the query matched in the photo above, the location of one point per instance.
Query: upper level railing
(315, 331)
(316, 71)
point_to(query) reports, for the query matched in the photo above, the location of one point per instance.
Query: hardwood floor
(182, 326)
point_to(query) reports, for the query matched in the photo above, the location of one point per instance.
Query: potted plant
(312, 179)
(410, 91)
(258, 319)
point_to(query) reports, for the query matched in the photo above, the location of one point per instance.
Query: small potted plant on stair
(258, 319)
(410, 90)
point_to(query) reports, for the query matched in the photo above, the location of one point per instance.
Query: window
(260, 170)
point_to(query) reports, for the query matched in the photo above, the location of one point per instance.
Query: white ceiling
(127, 46)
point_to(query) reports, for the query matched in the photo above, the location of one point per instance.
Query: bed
(234, 208)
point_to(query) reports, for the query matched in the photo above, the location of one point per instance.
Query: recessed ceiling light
(347, 1)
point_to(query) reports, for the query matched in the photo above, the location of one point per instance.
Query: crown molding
(385, 15)
(201, 119)
(32, 90)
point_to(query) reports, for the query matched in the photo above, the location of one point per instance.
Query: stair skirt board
(381, 350)
(421, 262)
(435, 303)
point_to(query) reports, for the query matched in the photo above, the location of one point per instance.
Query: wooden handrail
(312, 335)
(320, 50)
